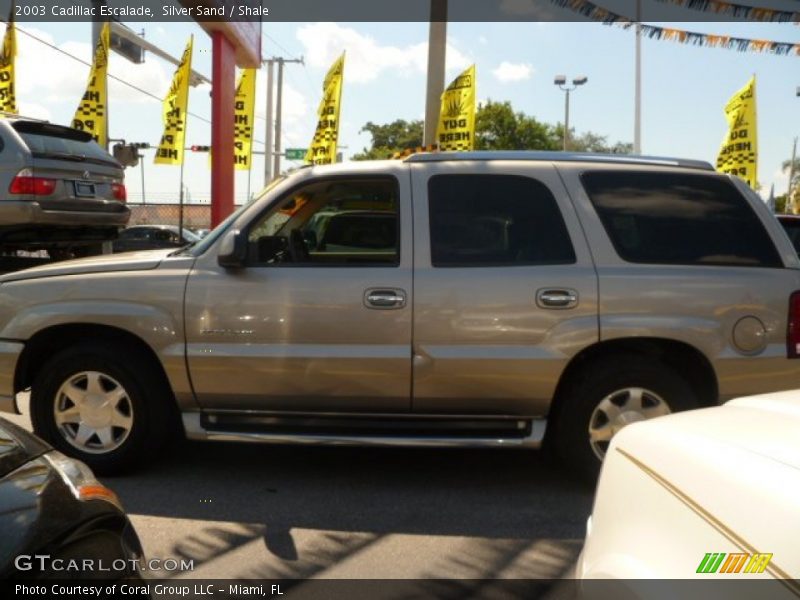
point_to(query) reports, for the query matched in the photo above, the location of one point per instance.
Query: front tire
(102, 404)
(608, 395)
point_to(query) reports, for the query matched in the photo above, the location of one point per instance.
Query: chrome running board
(195, 431)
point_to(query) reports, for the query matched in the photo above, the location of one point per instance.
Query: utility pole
(268, 151)
(637, 110)
(278, 118)
(268, 141)
(437, 55)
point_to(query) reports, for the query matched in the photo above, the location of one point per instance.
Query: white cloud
(34, 110)
(153, 76)
(65, 78)
(510, 72)
(295, 118)
(367, 58)
(780, 179)
(482, 40)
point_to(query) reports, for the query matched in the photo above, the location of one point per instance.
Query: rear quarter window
(680, 219)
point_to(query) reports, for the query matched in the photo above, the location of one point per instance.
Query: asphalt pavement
(249, 511)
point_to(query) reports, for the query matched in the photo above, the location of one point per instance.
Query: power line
(114, 77)
(278, 44)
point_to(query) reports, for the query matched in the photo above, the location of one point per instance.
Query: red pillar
(223, 73)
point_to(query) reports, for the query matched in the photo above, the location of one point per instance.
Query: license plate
(84, 188)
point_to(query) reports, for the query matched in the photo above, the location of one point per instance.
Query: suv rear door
(505, 292)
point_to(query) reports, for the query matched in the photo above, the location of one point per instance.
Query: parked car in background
(59, 190)
(705, 494)
(151, 237)
(52, 506)
(791, 224)
(474, 299)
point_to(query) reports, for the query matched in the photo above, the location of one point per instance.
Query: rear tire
(607, 395)
(103, 404)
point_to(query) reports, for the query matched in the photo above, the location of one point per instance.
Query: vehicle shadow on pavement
(480, 513)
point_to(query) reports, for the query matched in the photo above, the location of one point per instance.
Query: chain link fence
(195, 216)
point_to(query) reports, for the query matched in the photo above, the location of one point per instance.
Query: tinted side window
(336, 222)
(482, 220)
(792, 228)
(672, 218)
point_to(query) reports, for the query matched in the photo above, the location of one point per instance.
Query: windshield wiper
(182, 249)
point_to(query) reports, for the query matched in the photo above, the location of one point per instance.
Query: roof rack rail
(561, 157)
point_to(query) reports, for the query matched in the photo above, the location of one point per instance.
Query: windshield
(190, 236)
(205, 243)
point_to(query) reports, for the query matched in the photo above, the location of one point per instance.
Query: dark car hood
(17, 447)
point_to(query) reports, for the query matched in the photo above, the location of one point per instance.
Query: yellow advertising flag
(92, 113)
(8, 97)
(456, 129)
(323, 146)
(739, 152)
(245, 103)
(171, 148)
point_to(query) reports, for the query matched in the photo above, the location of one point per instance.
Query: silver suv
(483, 299)
(59, 190)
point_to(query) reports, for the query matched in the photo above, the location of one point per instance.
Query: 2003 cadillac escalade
(482, 299)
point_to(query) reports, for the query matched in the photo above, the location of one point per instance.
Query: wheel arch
(49, 341)
(686, 360)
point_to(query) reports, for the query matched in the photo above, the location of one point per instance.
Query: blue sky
(684, 87)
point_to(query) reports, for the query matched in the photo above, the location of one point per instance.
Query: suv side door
(505, 291)
(329, 331)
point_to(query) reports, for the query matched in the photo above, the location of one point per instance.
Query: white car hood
(736, 466)
(126, 261)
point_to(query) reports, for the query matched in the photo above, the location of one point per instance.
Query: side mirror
(232, 250)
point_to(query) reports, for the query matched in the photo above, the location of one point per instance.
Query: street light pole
(561, 82)
(437, 54)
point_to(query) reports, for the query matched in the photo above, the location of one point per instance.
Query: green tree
(787, 167)
(391, 138)
(499, 127)
(780, 203)
(591, 142)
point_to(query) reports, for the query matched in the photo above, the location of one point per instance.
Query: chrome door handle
(384, 298)
(556, 298)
